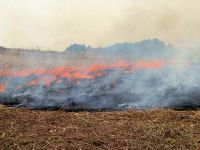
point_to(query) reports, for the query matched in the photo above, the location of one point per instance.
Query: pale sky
(55, 24)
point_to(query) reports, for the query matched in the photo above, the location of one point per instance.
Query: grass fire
(67, 91)
(99, 74)
(116, 85)
(96, 79)
(83, 87)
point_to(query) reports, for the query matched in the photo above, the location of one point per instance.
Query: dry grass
(155, 129)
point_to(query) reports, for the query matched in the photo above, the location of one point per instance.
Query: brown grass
(154, 129)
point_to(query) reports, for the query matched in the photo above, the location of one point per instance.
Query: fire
(46, 76)
(152, 64)
(2, 88)
(44, 80)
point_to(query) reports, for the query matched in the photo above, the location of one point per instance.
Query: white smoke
(174, 85)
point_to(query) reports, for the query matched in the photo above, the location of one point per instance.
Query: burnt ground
(153, 129)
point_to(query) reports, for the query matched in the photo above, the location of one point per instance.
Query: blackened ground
(152, 129)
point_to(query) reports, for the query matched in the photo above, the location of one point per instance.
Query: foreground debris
(153, 129)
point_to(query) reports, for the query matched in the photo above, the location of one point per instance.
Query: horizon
(86, 45)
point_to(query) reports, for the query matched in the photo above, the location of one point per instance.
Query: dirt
(134, 129)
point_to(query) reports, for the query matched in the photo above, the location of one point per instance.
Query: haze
(53, 24)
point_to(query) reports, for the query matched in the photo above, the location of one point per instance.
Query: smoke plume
(146, 74)
(52, 24)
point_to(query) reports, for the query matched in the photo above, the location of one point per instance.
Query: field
(134, 129)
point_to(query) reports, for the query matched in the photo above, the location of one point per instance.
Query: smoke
(52, 24)
(103, 78)
(167, 20)
(126, 75)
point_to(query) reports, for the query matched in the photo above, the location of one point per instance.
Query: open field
(153, 129)
(134, 129)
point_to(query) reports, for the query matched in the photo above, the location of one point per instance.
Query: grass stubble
(133, 129)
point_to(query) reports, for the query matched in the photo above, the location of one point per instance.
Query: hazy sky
(55, 24)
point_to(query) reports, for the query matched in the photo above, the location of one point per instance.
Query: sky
(55, 24)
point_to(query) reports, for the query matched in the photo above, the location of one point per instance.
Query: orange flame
(46, 81)
(150, 65)
(82, 72)
(2, 88)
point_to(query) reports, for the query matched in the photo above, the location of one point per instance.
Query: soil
(133, 129)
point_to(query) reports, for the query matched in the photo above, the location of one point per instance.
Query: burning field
(99, 99)
(85, 87)
(99, 74)
(92, 81)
